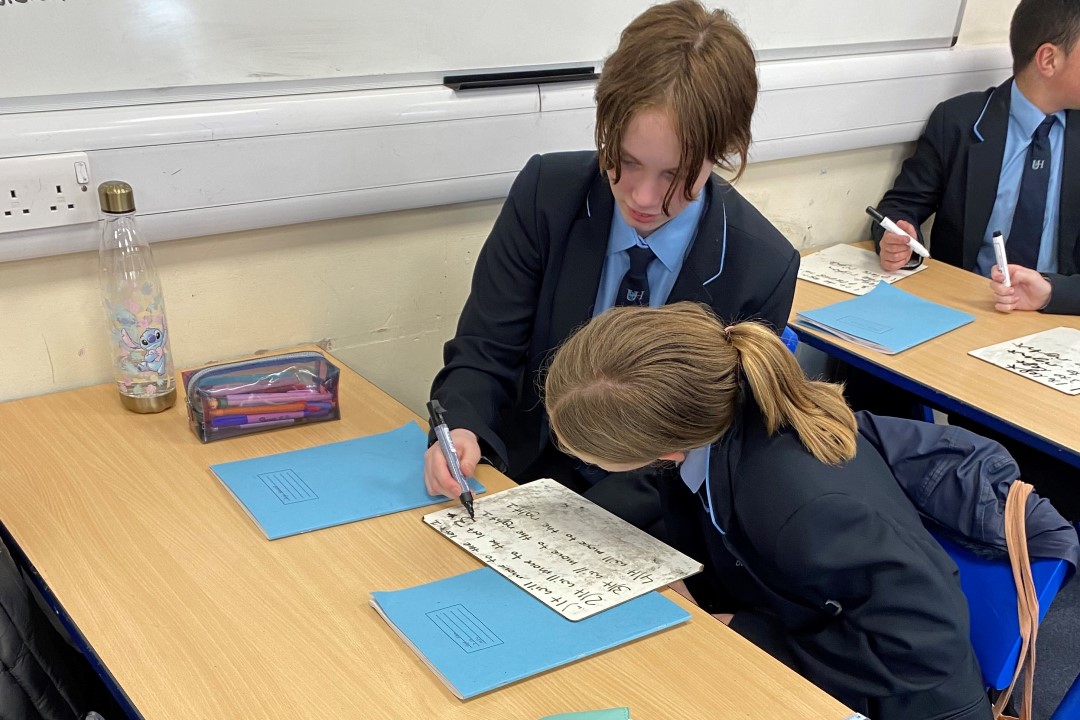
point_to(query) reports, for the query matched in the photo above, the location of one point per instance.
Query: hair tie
(727, 332)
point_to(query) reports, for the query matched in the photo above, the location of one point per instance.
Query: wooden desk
(942, 373)
(196, 615)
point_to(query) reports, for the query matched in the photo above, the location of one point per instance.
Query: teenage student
(1003, 160)
(1007, 160)
(807, 539)
(644, 220)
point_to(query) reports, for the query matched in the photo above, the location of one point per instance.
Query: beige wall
(383, 291)
(986, 21)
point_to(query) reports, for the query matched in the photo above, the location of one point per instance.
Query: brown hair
(698, 65)
(638, 383)
(1036, 22)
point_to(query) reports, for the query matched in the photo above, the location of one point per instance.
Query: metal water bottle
(134, 307)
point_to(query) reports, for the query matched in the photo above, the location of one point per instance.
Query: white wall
(381, 291)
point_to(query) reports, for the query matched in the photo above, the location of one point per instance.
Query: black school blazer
(954, 173)
(536, 280)
(830, 569)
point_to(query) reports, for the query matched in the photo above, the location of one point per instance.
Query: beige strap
(1027, 605)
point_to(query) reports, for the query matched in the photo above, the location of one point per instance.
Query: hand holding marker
(442, 433)
(892, 227)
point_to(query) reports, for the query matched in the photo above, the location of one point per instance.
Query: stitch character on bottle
(140, 343)
(150, 347)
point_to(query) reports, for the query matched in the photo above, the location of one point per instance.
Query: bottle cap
(116, 196)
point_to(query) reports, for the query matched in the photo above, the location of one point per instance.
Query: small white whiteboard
(850, 269)
(570, 554)
(1050, 357)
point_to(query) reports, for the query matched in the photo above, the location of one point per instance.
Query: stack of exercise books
(885, 319)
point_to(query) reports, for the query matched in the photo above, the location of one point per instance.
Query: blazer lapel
(706, 251)
(983, 170)
(579, 274)
(1069, 204)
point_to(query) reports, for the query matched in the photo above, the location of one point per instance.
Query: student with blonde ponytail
(807, 540)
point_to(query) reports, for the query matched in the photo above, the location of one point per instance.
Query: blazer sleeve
(484, 362)
(1064, 295)
(902, 621)
(917, 190)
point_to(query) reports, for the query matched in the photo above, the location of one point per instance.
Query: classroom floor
(1057, 651)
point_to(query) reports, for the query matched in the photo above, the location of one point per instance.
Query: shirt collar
(1026, 116)
(693, 468)
(668, 242)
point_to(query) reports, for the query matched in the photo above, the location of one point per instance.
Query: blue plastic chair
(790, 338)
(1069, 708)
(991, 595)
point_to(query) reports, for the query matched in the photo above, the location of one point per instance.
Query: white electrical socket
(44, 191)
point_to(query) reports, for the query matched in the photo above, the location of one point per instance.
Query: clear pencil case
(265, 393)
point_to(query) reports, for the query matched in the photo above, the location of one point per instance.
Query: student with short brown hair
(642, 221)
(701, 69)
(811, 549)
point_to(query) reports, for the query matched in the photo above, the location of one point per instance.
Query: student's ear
(1047, 59)
(675, 457)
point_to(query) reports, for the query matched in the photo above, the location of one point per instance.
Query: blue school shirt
(695, 468)
(670, 243)
(1023, 119)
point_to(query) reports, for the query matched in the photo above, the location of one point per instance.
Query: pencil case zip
(253, 363)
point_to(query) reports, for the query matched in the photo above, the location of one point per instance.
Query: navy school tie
(1025, 235)
(634, 289)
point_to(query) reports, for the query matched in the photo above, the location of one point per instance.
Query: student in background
(808, 541)
(1031, 290)
(644, 221)
(1003, 160)
(1006, 159)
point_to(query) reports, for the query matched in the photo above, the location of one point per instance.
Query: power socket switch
(45, 191)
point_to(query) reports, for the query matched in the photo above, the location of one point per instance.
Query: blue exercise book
(303, 490)
(885, 319)
(479, 631)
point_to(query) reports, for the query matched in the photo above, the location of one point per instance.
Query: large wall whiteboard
(207, 47)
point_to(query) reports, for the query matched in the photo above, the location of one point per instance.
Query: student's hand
(893, 251)
(723, 617)
(1029, 291)
(437, 475)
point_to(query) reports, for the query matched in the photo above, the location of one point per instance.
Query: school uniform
(955, 174)
(829, 569)
(966, 171)
(1064, 294)
(536, 280)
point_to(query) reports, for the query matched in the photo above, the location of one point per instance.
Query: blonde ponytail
(816, 410)
(638, 383)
